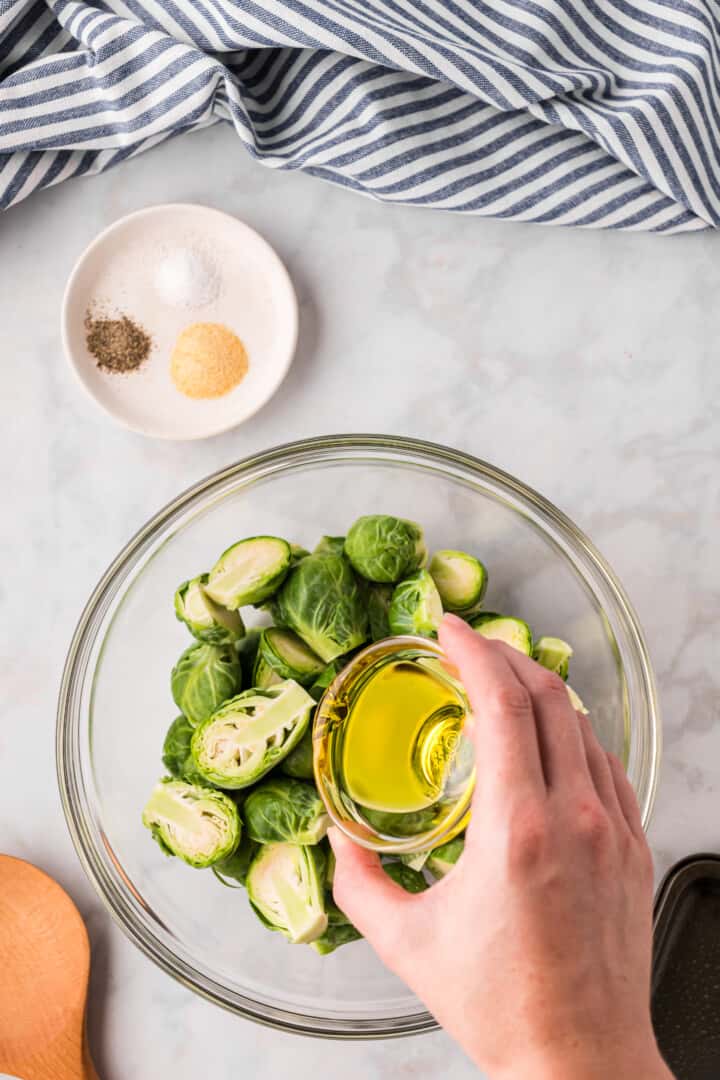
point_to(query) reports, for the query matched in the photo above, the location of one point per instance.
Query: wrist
(591, 1063)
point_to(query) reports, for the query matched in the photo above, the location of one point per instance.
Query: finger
(599, 767)
(503, 730)
(363, 891)
(626, 796)
(561, 743)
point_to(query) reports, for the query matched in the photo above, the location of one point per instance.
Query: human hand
(534, 952)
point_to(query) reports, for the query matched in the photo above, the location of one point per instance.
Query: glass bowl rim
(280, 458)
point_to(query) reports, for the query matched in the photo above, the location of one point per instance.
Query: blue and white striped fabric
(598, 113)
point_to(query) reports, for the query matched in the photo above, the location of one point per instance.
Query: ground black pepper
(118, 345)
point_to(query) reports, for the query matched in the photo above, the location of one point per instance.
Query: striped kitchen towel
(577, 112)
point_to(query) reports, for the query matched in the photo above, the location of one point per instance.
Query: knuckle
(512, 700)
(592, 824)
(528, 838)
(552, 686)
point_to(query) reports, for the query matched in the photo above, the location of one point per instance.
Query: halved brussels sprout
(461, 579)
(576, 701)
(289, 656)
(513, 632)
(285, 886)
(340, 931)
(299, 762)
(206, 620)
(408, 879)
(415, 859)
(263, 676)
(176, 756)
(554, 654)
(249, 571)
(379, 598)
(322, 602)
(385, 548)
(416, 607)
(441, 861)
(330, 545)
(284, 810)
(204, 677)
(199, 825)
(251, 733)
(236, 866)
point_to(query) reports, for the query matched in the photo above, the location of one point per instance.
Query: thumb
(372, 901)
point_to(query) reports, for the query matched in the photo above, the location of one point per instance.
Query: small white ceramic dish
(118, 274)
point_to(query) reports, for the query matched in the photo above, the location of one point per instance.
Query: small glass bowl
(447, 812)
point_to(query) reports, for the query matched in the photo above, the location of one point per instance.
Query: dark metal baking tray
(686, 968)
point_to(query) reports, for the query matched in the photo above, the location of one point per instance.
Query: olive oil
(391, 761)
(400, 736)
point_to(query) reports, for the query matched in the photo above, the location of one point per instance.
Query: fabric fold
(602, 113)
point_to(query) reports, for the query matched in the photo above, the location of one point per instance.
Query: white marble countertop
(586, 363)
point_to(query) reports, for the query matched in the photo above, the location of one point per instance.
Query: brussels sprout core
(199, 825)
(249, 571)
(251, 733)
(285, 886)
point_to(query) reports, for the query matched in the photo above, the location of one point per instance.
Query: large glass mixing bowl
(115, 703)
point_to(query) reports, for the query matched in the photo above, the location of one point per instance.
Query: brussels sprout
(250, 734)
(236, 866)
(285, 810)
(416, 607)
(297, 552)
(389, 823)
(441, 861)
(199, 825)
(288, 655)
(576, 701)
(416, 859)
(461, 579)
(206, 620)
(246, 650)
(326, 676)
(285, 886)
(299, 762)
(322, 602)
(554, 654)
(263, 676)
(378, 605)
(330, 545)
(385, 548)
(176, 756)
(249, 571)
(408, 879)
(204, 677)
(513, 632)
(340, 931)
(330, 864)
